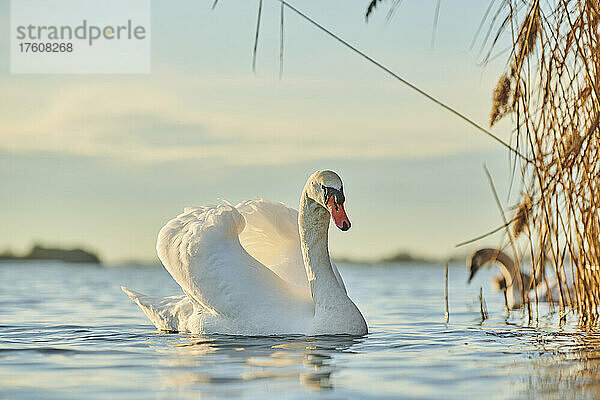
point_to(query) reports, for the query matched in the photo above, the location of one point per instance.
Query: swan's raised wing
(201, 250)
(271, 236)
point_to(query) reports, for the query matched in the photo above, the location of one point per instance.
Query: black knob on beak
(345, 226)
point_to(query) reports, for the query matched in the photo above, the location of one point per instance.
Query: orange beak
(338, 214)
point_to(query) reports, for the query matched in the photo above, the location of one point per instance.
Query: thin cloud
(146, 123)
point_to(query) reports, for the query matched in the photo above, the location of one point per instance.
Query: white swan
(513, 281)
(259, 268)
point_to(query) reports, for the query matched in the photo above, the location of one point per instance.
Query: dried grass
(552, 80)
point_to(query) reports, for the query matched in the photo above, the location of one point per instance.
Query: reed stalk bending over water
(551, 91)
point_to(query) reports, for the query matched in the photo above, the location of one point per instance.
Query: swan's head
(326, 188)
(477, 260)
(474, 264)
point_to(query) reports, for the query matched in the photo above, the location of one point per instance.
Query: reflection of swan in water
(259, 268)
(513, 281)
(289, 361)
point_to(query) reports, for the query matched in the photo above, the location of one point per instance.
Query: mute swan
(510, 279)
(259, 268)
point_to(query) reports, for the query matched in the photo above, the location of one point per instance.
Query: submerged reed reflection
(568, 366)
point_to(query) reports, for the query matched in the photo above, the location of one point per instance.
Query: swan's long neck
(313, 221)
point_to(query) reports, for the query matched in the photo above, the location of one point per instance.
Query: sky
(104, 161)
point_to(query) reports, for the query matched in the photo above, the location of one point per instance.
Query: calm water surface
(67, 331)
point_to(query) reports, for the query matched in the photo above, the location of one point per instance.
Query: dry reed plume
(500, 105)
(521, 219)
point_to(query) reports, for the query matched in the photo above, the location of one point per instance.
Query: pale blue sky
(105, 160)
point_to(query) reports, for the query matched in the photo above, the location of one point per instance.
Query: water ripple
(86, 339)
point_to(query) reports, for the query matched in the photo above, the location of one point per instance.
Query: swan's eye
(338, 195)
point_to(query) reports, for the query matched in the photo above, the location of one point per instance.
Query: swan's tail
(167, 313)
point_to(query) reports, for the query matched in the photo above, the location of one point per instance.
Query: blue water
(67, 331)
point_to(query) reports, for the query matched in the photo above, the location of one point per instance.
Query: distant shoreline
(39, 253)
(402, 258)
